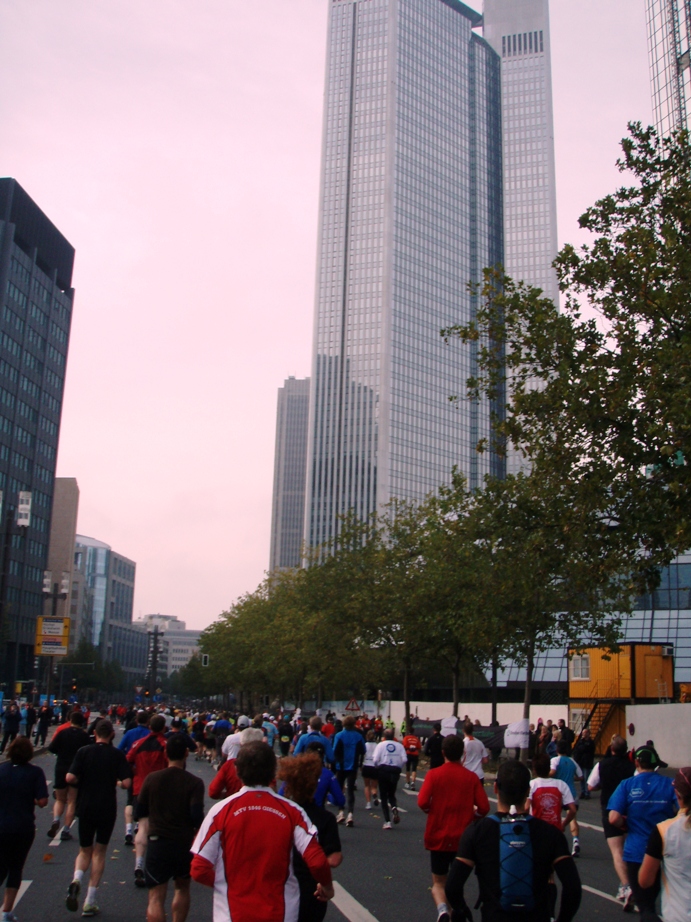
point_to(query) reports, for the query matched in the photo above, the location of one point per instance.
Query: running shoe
(368, 806)
(376, 801)
(396, 817)
(576, 850)
(412, 785)
(341, 817)
(129, 839)
(629, 905)
(72, 901)
(9, 917)
(349, 821)
(90, 909)
(386, 826)
(623, 892)
(139, 879)
(406, 786)
(65, 835)
(53, 831)
(444, 916)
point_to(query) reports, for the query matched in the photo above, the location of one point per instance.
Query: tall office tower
(669, 36)
(411, 212)
(518, 30)
(36, 300)
(63, 532)
(290, 474)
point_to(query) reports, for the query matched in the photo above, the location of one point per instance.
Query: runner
(172, 801)
(413, 747)
(285, 735)
(549, 797)
(475, 754)
(226, 781)
(65, 745)
(146, 756)
(565, 769)
(22, 786)
(328, 786)
(370, 773)
(433, 747)
(130, 737)
(349, 748)
(313, 733)
(301, 776)
(487, 847)
(246, 854)
(451, 796)
(97, 770)
(389, 758)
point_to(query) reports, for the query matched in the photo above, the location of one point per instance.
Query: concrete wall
(667, 725)
(506, 713)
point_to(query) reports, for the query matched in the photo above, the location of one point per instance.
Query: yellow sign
(52, 636)
(17, 688)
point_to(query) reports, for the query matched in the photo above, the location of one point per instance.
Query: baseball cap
(243, 721)
(646, 756)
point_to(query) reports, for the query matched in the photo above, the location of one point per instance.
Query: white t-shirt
(547, 797)
(231, 745)
(391, 753)
(369, 754)
(474, 751)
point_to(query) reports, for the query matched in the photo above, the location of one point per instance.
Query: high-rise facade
(669, 50)
(411, 213)
(290, 471)
(36, 299)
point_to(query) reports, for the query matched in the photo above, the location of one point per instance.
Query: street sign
(138, 689)
(24, 509)
(138, 699)
(52, 636)
(352, 705)
(158, 691)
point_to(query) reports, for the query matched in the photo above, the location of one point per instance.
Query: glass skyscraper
(411, 213)
(290, 465)
(669, 33)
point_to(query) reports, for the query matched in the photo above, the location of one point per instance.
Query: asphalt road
(384, 877)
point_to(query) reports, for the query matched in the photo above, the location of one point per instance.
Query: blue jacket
(349, 747)
(131, 737)
(312, 737)
(329, 787)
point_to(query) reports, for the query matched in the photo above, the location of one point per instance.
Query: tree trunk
(406, 693)
(530, 663)
(320, 693)
(454, 679)
(494, 689)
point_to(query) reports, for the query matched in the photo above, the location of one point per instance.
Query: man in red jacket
(147, 755)
(452, 797)
(244, 849)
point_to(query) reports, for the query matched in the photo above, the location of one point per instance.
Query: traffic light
(47, 581)
(74, 685)
(65, 584)
(146, 693)
(205, 659)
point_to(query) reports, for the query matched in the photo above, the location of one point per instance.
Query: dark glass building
(290, 467)
(36, 298)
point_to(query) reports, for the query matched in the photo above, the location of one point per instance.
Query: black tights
(388, 781)
(13, 852)
(347, 779)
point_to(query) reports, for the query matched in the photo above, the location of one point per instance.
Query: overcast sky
(176, 144)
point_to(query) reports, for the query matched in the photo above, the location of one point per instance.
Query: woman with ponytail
(669, 847)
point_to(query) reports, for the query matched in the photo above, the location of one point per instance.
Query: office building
(63, 532)
(36, 299)
(669, 33)
(102, 602)
(290, 471)
(410, 214)
(176, 644)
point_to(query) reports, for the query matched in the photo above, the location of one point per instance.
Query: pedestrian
(412, 745)
(146, 756)
(433, 747)
(584, 755)
(138, 732)
(172, 801)
(22, 786)
(244, 849)
(669, 848)
(389, 758)
(606, 777)
(64, 745)
(97, 770)
(11, 719)
(349, 750)
(452, 797)
(566, 734)
(514, 856)
(550, 796)
(563, 767)
(640, 803)
(475, 754)
(45, 716)
(301, 776)
(370, 773)
(31, 717)
(226, 781)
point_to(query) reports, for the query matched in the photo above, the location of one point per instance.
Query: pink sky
(176, 144)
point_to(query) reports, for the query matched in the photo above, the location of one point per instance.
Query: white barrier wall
(667, 725)
(506, 713)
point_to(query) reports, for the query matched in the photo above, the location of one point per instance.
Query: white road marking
(56, 840)
(24, 886)
(411, 793)
(605, 896)
(349, 906)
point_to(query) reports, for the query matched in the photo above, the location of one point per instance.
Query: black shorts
(131, 798)
(369, 771)
(59, 784)
(611, 832)
(99, 825)
(411, 764)
(441, 862)
(166, 859)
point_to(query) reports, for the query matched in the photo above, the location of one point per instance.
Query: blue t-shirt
(20, 786)
(645, 800)
(567, 770)
(312, 737)
(348, 745)
(131, 737)
(271, 732)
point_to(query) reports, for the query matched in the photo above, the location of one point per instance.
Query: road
(384, 877)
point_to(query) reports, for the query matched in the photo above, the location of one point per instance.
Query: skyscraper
(411, 212)
(290, 467)
(36, 299)
(518, 30)
(669, 34)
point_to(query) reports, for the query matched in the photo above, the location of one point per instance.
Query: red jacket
(450, 795)
(225, 781)
(147, 755)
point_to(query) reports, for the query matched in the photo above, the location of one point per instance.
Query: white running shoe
(341, 817)
(349, 820)
(368, 806)
(386, 826)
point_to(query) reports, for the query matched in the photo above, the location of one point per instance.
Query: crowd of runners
(284, 785)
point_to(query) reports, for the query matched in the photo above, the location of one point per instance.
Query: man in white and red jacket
(451, 796)
(244, 848)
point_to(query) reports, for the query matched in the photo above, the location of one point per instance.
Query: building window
(580, 666)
